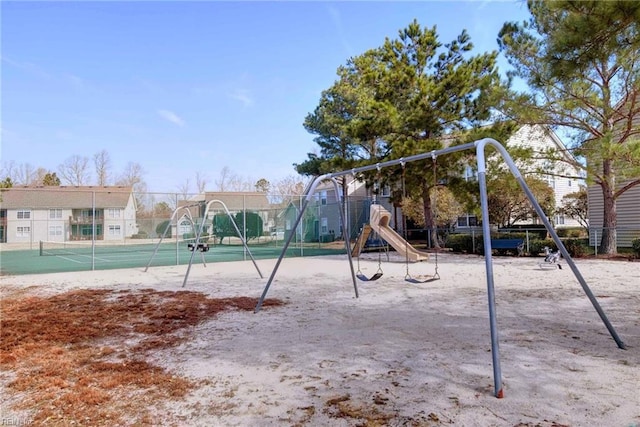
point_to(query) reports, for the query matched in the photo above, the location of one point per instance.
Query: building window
(55, 213)
(24, 214)
(468, 221)
(386, 191)
(23, 232)
(114, 213)
(323, 197)
(324, 225)
(86, 231)
(114, 230)
(55, 230)
(569, 183)
(559, 219)
(185, 227)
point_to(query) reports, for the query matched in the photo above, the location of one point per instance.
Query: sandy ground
(401, 353)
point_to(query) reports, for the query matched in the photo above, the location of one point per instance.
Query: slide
(361, 240)
(379, 221)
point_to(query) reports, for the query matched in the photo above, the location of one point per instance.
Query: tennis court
(51, 258)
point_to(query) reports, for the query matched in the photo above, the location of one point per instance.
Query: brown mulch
(79, 358)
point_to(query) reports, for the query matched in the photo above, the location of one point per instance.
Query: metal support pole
(583, 283)
(345, 236)
(488, 261)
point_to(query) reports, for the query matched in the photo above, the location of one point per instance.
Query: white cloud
(172, 117)
(336, 20)
(243, 96)
(28, 67)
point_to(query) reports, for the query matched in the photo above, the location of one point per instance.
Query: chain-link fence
(111, 216)
(116, 217)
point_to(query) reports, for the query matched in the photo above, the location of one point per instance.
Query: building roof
(239, 200)
(65, 197)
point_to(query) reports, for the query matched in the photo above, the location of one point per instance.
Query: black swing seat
(202, 247)
(364, 278)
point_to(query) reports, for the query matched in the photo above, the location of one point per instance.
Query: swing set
(479, 146)
(379, 224)
(198, 245)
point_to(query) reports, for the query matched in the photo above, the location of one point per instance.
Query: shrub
(575, 233)
(576, 247)
(140, 235)
(635, 245)
(536, 246)
(163, 226)
(461, 243)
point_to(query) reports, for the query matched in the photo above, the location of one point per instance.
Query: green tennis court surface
(16, 262)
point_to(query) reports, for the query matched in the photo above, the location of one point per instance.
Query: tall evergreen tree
(581, 60)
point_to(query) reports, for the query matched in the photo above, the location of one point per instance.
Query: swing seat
(364, 278)
(423, 279)
(547, 265)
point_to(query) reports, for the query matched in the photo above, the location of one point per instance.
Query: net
(49, 248)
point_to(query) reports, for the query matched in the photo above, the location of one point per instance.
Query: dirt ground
(125, 347)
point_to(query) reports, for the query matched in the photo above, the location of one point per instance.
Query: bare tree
(20, 174)
(288, 188)
(102, 163)
(223, 181)
(8, 170)
(39, 176)
(132, 177)
(183, 189)
(201, 182)
(75, 170)
(230, 181)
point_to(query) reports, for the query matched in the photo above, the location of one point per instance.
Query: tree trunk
(608, 244)
(429, 222)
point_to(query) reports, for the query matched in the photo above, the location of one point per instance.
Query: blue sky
(185, 87)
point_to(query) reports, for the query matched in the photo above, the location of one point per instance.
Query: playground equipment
(365, 233)
(479, 146)
(379, 219)
(174, 216)
(551, 260)
(235, 226)
(197, 245)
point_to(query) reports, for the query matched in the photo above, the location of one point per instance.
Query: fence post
(595, 242)
(473, 241)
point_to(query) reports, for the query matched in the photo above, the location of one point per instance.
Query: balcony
(85, 220)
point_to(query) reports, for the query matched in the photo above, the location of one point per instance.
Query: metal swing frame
(235, 226)
(164, 233)
(378, 274)
(479, 146)
(408, 277)
(197, 245)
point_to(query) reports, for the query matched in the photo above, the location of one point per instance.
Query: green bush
(635, 245)
(574, 233)
(536, 246)
(576, 247)
(140, 235)
(534, 230)
(461, 243)
(161, 227)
